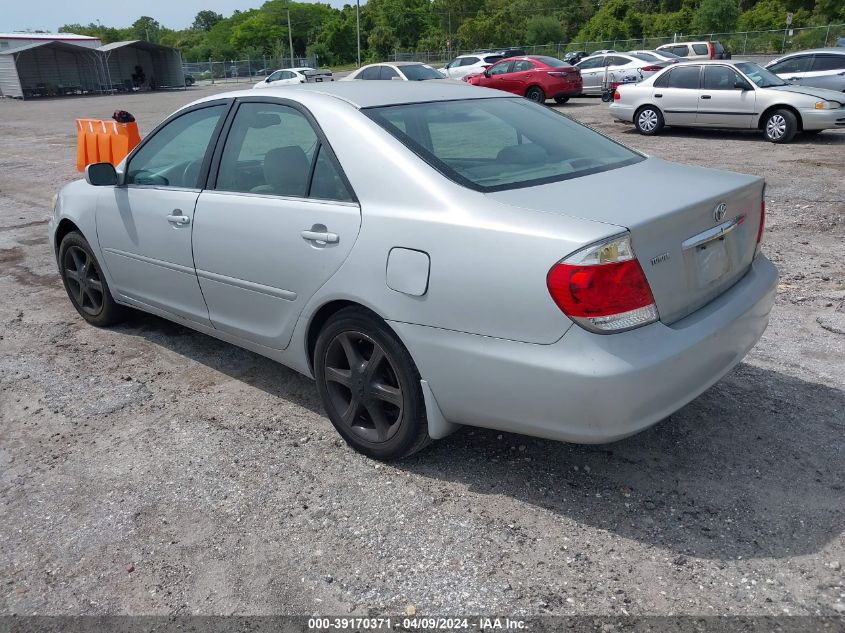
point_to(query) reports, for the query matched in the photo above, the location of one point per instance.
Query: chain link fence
(771, 42)
(242, 70)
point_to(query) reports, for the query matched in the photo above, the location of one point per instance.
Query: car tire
(780, 126)
(378, 409)
(649, 120)
(535, 94)
(561, 99)
(85, 284)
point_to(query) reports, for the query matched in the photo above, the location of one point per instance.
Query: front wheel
(561, 100)
(648, 121)
(85, 283)
(780, 126)
(370, 386)
(536, 94)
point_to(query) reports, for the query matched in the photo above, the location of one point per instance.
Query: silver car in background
(819, 68)
(433, 254)
(400, 71)
(598, 70)
(727, 94)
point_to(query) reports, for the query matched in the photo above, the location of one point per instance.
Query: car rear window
(492, 59)
(497, 144)
(554, 62)
(420, 72)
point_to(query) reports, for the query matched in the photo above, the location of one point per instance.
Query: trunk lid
(690, 253)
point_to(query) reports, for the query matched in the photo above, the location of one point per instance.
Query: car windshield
(500, 143)
(420, 72)
(669, 54)
(760, 76)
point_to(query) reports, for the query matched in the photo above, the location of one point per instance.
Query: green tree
(146, 28)
(206, 19)
(542, 29)
(716, 16)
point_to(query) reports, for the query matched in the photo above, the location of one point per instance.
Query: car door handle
(317, 236)
(658, 96)
(177, 218)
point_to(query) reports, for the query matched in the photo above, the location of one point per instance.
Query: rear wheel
(85, 283)
(370, 386)
(535, 94)
(648, 120)
(780, 126)
(561, 99)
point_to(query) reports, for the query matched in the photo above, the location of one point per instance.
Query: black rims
(83, 280)
(362, 383)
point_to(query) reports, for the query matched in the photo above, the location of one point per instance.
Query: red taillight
(556, 73)
(650, 69)
(603, 288)
(616, 95)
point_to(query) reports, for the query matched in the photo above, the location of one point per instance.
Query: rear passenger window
(701, 49)
(522, 66)
(326, 183)
(663, 80)
(388, 73)
(828, 62)
(268, 150)
(799, 64)
(373, 72)
(680, 50)
(685, 77)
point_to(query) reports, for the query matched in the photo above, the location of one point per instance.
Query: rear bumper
(823, 119)
(621, 112)
(591, 388)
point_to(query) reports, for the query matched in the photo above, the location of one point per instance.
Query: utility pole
(358, 28)
(290, 41)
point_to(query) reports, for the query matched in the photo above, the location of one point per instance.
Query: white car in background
(400, 71)
(596, 70)
(654, 56)
(464, 65)
(292, 76)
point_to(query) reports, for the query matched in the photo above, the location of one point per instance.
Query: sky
(49, 15)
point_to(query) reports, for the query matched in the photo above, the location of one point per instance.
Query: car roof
(368, 94)
(837, 50)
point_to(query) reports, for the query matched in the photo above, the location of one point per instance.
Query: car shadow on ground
(753, 468)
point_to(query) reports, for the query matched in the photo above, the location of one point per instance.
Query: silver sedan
(727, 94)
(434, 254)
(599, 70)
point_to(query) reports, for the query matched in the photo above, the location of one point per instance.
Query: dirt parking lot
(148, 469)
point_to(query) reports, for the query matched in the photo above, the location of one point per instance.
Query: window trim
(322, 142)
(209, 151)
(450, 174)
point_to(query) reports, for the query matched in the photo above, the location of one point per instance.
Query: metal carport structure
(160, 66)
(51, 68)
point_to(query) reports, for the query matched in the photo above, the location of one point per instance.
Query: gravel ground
(148, 469)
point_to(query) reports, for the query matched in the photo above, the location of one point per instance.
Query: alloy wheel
(776, 127)
(363, 386)
(83, 280)
(647, 120)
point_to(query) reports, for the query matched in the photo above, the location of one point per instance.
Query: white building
(14, 40)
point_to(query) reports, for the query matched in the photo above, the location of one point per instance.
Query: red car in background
(536, 77)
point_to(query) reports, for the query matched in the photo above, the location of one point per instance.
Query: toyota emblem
(720, 211)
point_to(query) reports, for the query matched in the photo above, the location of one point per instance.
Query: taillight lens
(651, 68)
(603, 287)
(616, 95)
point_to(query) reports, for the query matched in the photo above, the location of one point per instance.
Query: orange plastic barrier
(104, 141)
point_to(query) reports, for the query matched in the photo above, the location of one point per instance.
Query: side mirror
(101, 175)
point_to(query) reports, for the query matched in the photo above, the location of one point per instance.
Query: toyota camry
(433, 254)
